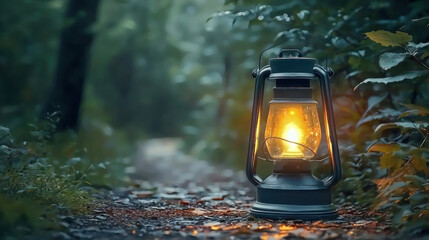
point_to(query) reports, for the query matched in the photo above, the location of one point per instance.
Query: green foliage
(398, 78)
(405, 126)
(414, 110)
(21, 216)
(47, 182)
(387, 160)
(339, 36)
(389, 60)
(357, 187)
(402, 190)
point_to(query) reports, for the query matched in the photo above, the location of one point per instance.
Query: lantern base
(293, 196)
(293, 212)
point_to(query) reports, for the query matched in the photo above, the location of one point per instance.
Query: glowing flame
(293, 134)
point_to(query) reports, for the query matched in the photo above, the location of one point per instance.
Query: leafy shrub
(404, 189)
(37, 183)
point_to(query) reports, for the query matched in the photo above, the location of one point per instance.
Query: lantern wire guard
(270, 159)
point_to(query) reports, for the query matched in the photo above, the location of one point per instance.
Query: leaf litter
(218, 210)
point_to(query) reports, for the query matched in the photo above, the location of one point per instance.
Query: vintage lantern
(291, 139)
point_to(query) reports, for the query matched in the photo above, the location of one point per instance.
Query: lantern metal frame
(291, 192)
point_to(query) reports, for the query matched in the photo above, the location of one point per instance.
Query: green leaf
(294, 33)
(415, 110)
(389, 60)
(404, 125)
(101, 165)
(5, 137)
(354, 61)
(373, 101)
(398, 78)
(387, 39)
(414, 47)
(395, 187)
(425, 55)
(417, 180)
(420, 19)
(384, 113)
(75, 160)
(353, 74)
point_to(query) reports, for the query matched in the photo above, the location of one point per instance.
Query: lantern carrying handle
(261, 75)
(328, 116)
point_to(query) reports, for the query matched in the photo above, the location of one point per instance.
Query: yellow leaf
(385, 148)
(405, 126)
(388, 160)
(386, 38)
(420, 163)
(415, 110)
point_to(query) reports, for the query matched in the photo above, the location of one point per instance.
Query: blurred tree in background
(75, 43)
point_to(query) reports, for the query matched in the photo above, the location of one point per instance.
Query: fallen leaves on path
(221, 210)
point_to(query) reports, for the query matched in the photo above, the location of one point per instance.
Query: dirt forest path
(214, 204)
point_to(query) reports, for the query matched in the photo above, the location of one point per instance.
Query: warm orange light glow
(286, 228)
(293, 130)
(268, 236)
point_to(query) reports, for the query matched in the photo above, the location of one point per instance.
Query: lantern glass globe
(292, 130)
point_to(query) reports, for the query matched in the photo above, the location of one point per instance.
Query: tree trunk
(226, 80)
(75, 43)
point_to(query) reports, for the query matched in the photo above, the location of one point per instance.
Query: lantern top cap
(292, 64)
